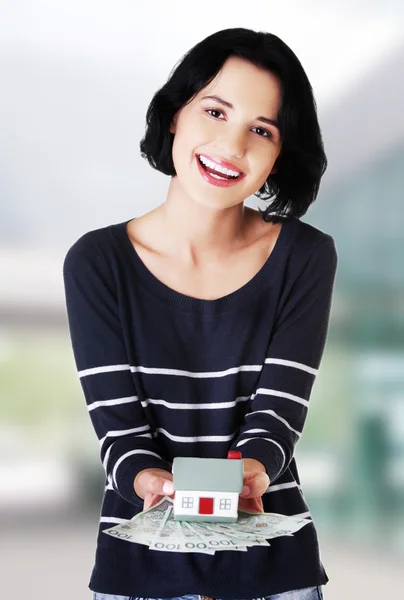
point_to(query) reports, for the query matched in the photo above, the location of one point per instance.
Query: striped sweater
(164, 374)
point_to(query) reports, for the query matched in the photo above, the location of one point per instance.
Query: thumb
(255, 486)
(159, 485)
(168, 487)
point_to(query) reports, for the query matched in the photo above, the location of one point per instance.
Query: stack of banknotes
(157, 529)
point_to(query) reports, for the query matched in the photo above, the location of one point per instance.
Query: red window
(206, 506)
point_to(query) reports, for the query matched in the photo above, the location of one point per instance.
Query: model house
(207, 489)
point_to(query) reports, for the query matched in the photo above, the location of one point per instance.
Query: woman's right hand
(152, 484)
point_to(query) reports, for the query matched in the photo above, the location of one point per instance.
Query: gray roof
(210, 474)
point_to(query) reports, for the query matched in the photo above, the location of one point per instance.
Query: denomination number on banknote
(120, 534)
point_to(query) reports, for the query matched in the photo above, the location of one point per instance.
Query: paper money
(157, 529)
(261, 525)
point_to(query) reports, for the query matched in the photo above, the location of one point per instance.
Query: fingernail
(246, 490)
(168, 487)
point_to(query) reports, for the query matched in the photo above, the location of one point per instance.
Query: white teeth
(218, 177)
(217, 168)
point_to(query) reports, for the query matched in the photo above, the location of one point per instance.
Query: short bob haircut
(302, 160)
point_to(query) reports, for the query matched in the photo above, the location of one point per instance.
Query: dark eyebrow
(229, 105)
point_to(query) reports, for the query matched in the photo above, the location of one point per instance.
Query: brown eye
(209, 110)
(267, 134)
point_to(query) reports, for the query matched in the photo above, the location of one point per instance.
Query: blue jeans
(310, 593)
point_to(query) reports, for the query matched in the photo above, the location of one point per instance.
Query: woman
(199, 327)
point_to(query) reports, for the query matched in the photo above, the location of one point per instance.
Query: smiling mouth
(217, 174)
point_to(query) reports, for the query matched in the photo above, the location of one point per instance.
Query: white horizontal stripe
(103, 369)
(140, 435)
(112, 402)
(291, 363)
(131, 453)
(200, 438)
(106, 457)
(268, 392)
(276, 416)
(119, 432)
(281, 486)
(268, 440)
(256, 431)
(113, 520)
(199, 406)
(196, 374)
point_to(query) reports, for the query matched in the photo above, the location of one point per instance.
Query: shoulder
(310, 240)
(89, 249)
(312, 253)
(311, 236)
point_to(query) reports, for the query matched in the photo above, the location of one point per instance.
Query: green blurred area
(38, 379)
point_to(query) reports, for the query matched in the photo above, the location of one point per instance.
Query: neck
(199, 234)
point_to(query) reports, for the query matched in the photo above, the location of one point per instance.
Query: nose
(232, 145)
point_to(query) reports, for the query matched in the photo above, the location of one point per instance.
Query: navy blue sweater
(165, 375)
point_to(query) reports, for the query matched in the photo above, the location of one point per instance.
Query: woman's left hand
(255, 483)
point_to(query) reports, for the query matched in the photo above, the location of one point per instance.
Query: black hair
(302, 160)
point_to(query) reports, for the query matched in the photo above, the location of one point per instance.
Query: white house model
(207, 489)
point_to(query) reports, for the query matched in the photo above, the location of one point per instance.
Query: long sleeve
(119, 421)
(278, 407)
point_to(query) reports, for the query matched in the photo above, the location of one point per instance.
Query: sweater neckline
(261, 280)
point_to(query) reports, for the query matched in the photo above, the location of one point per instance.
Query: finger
(246, 492)
(253, 505)
(159, 485)
(256, 486)
(148, 500)
(151, 499)
(259, 484)
(168, 487)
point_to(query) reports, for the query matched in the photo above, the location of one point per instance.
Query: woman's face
(206, 127)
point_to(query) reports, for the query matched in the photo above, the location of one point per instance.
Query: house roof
(211, 474)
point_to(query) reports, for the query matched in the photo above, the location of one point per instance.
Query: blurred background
(76, 80)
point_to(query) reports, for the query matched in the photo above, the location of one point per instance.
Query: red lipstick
(218, 182)
(223, 163)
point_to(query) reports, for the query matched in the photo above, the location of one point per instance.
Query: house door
(206, 506)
